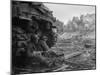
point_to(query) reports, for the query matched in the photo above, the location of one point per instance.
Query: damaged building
(31, 23)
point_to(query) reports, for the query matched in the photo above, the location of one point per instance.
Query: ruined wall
(28, 19)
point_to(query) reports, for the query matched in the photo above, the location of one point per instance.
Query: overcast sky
(66, 12)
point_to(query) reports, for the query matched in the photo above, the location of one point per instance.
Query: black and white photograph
(52, 37)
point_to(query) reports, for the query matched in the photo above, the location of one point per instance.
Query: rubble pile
(32, 37)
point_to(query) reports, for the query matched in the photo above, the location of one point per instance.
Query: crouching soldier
(45, 55)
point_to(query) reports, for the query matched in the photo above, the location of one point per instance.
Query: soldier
(52, 36)
(43, 44)
(33, 26)
(33, 44)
